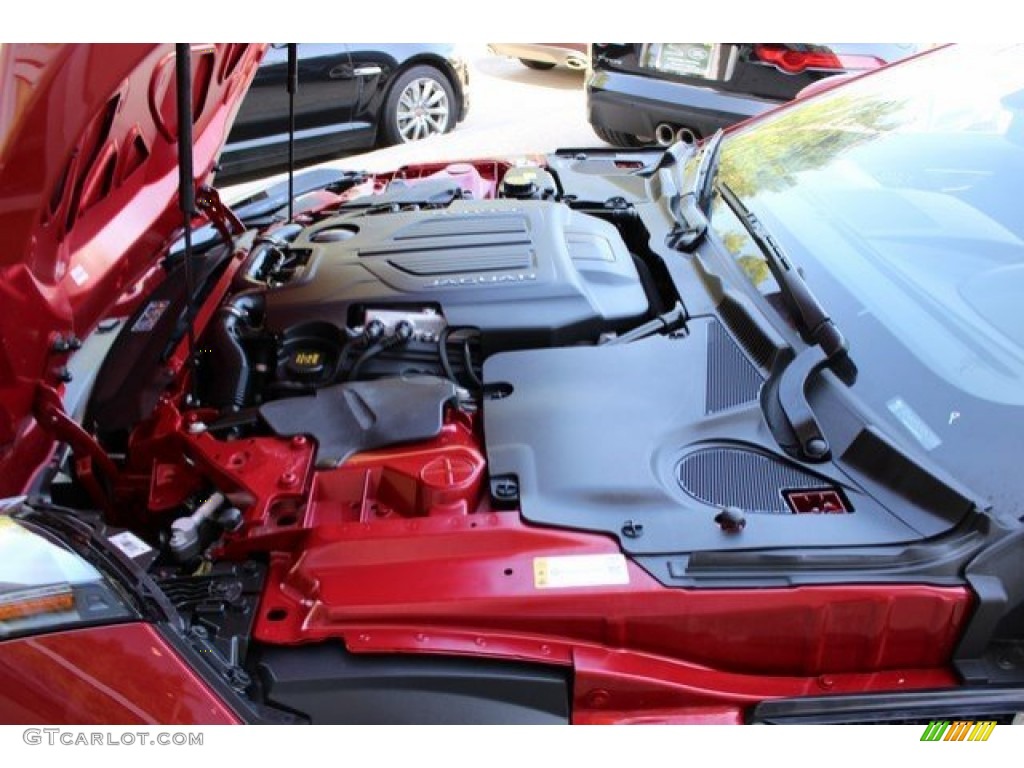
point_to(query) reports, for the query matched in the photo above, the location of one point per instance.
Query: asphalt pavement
(514, 112)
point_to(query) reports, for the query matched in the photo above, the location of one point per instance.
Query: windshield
(899, 198)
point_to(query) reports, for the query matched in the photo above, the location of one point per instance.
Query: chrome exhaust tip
(664, 134)
(686, 135)
(574, 62)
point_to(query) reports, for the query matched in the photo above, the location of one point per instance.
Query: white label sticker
(579, 571)
(79, 275)
(130, 544)
(915, 425)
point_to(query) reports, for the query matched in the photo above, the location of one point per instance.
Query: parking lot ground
(514, 112)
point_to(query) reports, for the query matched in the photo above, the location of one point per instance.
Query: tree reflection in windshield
(770, 157)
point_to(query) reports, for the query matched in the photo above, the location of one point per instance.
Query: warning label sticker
(130, 544)
(148, 319)
(579, 571)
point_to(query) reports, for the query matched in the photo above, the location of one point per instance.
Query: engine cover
(533, 271)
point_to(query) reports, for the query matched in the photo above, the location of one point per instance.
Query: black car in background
(350, 96)
(640, 93)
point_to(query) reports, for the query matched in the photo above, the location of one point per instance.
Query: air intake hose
(229, 363)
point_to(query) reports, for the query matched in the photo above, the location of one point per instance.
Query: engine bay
(394, 430)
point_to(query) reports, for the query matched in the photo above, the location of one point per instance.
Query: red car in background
(688, 435)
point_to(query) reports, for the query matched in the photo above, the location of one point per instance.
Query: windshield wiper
(703, 179)
(813, 321)
(784, 397)
(691, 209)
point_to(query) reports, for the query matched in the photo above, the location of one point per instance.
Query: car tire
(533, 64)
(421, 103)
(616, 138)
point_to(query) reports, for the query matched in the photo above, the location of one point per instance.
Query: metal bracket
(223, 218)
(49, 412)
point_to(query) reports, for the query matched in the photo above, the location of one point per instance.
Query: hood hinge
(96, 470)
(223, 218)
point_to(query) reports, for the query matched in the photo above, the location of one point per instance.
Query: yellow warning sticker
(579, 571)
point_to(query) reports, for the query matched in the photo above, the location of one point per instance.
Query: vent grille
(732, 477)
(731, 380)
(750, 337)
(451, 262)
(452, 226)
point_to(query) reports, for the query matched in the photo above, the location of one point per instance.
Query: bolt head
(816, 448)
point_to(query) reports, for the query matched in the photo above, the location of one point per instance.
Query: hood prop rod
(187, 195)
(293, 86)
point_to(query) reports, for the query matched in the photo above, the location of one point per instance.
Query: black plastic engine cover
(533, 271)
(363, 415)
(329, 685)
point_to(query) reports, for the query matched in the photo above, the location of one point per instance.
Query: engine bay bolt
(826, 682)
(288, 479)
(374, 330)
(598, 698)
(404, 331)
(816, 448)
(631, 529)
(62, 344)
(480, 642)
(231, 519)
(506, 489)
(731, 520)
(238, 679)
(299, 441)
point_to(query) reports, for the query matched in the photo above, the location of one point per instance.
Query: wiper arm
(703, 180)
(814, 323)
(784, 398)
(691, 209)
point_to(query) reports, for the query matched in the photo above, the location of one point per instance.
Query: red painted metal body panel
(475, 572)
(400, 551)
(88, 190)
(397, 578)
(125, 674)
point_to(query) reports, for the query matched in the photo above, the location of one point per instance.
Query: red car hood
(89, 187)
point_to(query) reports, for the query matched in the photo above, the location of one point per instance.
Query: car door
(327, 93)
(375, 66)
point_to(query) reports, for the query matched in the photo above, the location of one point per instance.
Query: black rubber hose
(372, 351)
(442, 353)
(230, 367)
(467, 356)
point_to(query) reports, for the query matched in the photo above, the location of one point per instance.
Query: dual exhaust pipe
(666, 134)
(576, 63)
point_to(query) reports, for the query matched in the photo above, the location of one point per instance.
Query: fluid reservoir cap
(459, 169)
(520, 183)
(306, 362)
(449, 472)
